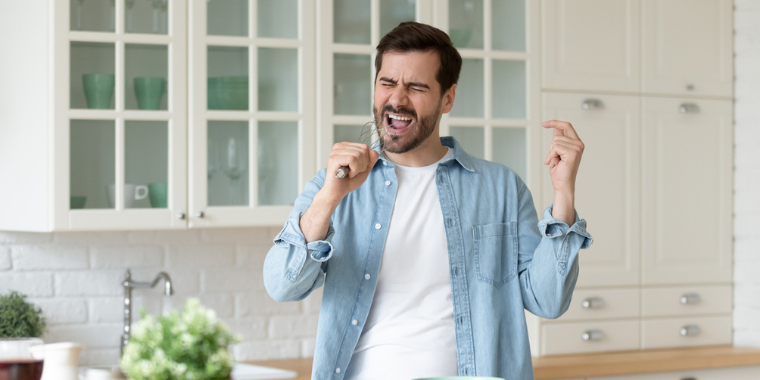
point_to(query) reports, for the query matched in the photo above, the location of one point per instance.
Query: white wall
(747, 174)
(75, 278)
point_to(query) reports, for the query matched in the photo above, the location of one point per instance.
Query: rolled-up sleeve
(294, 268)
(548, 258)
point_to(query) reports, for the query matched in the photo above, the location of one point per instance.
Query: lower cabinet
(733, 373)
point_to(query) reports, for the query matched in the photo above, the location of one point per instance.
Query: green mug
(149, 92)
(158, 194)
(98, 90)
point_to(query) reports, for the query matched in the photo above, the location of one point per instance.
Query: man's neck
(430, 152)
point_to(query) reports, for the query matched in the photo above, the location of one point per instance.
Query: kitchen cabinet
(250, 97)
(735, 373)
(610, 127)
(657, 172)
(93, 115)
(687, 47)
(687, 184)
(252, 111)
(663, 47)
(591, 45)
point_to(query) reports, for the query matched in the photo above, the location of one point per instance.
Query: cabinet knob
(690, 87)
(200, 214)
(689, 378)
(592, 335)
(690, 330)
(589, 104)
(688, 108)
(593, 303)
(691, 299)
(181, 215)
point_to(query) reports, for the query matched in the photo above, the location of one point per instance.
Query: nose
(399, 97)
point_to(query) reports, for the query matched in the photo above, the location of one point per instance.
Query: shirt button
(387, 183)
(377, 226)
(337, 370)
(384, 164)
(354, 322)
(367, 276)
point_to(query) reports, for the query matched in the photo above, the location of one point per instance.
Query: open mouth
(398, 123)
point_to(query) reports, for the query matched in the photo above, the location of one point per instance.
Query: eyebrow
(408, 84)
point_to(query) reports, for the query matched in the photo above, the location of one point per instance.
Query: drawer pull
(688, 108)
(589, 104)
(691, 299)
(690, 330)
(593, 335)
(689, 378)
(593, 303)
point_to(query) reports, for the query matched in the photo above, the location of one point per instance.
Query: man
(428, 256)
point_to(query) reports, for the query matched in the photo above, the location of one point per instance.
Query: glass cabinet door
(495, 113)
(125, 115)
(350, 30)
(252, 94)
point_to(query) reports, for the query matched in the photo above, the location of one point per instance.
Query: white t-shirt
(410, 328)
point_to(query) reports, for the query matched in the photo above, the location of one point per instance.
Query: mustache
(401, 111)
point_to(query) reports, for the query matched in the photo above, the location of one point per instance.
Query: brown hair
(413, 36)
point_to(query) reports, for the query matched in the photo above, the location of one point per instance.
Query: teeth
(399, 118)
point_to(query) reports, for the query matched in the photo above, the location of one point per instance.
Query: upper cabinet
(160, 114)
(96, 138)
(496, 110)
(656, 47)
(252, 112)
(591, 45)
(687, 47)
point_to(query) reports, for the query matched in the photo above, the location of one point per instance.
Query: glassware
(21, 358)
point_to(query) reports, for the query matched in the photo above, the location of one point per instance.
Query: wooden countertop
(605, 364)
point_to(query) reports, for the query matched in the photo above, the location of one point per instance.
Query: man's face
(408, 102)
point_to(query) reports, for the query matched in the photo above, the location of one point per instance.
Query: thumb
(373, 157)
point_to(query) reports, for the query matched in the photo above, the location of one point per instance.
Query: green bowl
(228, 93)
(77, 201)
(460, 378)
(460, 37)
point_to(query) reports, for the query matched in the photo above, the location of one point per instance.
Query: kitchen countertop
(604, 364)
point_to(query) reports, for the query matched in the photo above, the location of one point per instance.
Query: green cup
(77, 201)
(149, 92)
(158, 194)
(98, 89)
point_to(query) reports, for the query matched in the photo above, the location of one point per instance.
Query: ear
(448, 99)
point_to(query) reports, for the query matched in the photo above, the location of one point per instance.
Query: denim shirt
(502, 260)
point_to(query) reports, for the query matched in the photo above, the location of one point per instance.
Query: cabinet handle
(690, 330)
(689, 378)
(592, 104)
(181, 215)
(592, 335)
(593, 303)
(688, 108)
(691, 299)
(200, 214)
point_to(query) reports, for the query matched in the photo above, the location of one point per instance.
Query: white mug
(61, 361)
(131, 193)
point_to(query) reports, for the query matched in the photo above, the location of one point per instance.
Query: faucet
(128, 285)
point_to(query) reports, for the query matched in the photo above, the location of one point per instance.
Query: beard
(424, 127)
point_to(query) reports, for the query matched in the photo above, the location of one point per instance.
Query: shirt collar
(460, 156)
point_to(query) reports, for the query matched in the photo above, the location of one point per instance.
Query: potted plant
(19, 318)
(186, 345)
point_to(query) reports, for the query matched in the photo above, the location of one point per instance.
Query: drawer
(733, 373)
(686, 300)
(567, 338)
(662, 333)
(588, 304)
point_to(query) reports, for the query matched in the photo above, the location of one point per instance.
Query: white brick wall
(75, 279)
(747, 173)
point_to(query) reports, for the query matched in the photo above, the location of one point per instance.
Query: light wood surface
(618, 363)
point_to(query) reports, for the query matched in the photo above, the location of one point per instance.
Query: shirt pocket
(495, 252)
